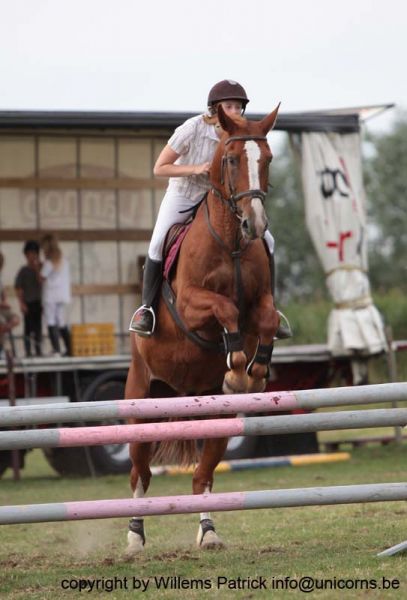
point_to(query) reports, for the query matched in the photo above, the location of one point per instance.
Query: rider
(186, 160)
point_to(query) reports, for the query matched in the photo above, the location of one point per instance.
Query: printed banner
(336, 219)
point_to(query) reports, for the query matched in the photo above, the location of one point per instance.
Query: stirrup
(134, 328)
(284, 331)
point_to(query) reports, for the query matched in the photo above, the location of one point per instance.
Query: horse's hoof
(211, 541)
(135, 544)
(233, 384)
(255, 386)
(207, 537)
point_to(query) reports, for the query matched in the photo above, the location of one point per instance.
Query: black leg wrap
(233, 342)
(206, 525)
(262, 357)
(264, 354)
(137, 526)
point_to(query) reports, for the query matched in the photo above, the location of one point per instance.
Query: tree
(299, 273)
(386, 189)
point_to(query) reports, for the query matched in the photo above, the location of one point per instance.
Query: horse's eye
(232, 160)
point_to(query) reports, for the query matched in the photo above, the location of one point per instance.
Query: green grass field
(325, 543)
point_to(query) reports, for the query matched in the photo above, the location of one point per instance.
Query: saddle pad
(175, 237)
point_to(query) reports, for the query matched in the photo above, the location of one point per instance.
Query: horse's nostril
(245, 225)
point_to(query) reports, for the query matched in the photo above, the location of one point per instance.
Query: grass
(320, 542)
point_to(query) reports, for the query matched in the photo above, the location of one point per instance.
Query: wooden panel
(94, 290)
(97, 158)
(98, 209)
(129, 255)
(83, 183)
(57, 157)
(141, 235)
(58, 209)
(75, 310)
(136, 209)
(100, 262)
(135, 158)
(18, 209)
(102, 309)
(72, 250)
(17, 157)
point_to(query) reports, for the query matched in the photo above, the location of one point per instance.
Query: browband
(244, 138)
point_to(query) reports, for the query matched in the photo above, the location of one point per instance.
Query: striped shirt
(195, 141)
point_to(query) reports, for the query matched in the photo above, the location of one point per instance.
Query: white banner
(336, 219)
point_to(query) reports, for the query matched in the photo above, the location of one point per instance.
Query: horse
(217, 322)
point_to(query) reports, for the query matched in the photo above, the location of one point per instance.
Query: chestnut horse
(222, 296)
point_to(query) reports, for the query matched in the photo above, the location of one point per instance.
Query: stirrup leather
(134, 327)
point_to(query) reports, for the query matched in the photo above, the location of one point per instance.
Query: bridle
(234, 198)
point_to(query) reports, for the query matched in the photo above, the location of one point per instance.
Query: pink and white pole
(173, 505)
(193, 406)
(200, 429)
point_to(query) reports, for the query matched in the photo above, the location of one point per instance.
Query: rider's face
(232, 107)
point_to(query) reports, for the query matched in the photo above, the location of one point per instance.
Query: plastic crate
(93, 339)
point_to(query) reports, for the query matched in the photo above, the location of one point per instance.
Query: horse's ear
(226, 122)
(268, 122)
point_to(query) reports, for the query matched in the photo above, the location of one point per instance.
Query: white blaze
(253, 155)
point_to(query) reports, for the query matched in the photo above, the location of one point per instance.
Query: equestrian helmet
(227, 89)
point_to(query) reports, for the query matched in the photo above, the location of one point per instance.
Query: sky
(164, 55)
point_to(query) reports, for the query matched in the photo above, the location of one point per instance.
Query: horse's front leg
(137, 385)
(264, 322)
(198, 308)
(140, 478)
(212, 453)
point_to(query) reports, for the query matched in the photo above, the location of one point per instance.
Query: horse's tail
(177, 452)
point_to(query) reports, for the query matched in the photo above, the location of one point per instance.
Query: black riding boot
(143, 320)
(284, 331)
(54, 338)
(66, 336)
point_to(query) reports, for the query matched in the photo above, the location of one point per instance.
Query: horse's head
(239, 171)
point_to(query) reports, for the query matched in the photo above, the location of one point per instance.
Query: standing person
(186, 160)
(8, 319)
(28, 289)
(56, 293)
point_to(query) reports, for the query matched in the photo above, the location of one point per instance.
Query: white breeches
(55, 314)
(169, 215)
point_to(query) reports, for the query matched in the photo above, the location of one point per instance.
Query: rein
(235, 254)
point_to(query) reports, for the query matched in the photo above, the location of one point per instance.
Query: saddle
(175, 237)
(172, 246)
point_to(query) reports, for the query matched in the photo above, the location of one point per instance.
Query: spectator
(28, 290)
(55, 275)
(8, 319)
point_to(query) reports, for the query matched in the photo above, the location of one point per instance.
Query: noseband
(233, 198)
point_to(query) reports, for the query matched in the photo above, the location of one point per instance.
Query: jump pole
(243, 464)
(200, 429)
(397, 549)
(192, 406)
(173, 505)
